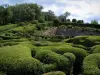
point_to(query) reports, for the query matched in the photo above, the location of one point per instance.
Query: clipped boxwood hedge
(78, 52)
(91, 64)
(17, 60)
(96, 49)
(82, 40)
(55, 73)
(48, 57)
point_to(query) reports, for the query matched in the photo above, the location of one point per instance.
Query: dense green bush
(41, 26)
(48, 57)
(74, 20)
(35, 22)
(55, 73)
(56, 22)
(22, 23)
(83, 40)
(48, 67)
(96, 49)
(78, 52)
(91, 64)
(70, 56)
(17, 60)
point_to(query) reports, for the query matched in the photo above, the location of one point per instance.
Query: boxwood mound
(96, 49)
(53, 61)
(17, 60)
(91, 64)
(78, 52)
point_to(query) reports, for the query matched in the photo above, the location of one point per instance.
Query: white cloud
(83, 8)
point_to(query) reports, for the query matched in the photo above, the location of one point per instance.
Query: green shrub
(17, 60)
(49, 57)
(55, 73)
(49, 67)
(96, 49)
(22, 24)
(41, 26)
(78, 52)
(35, 22)
(56, 22)
(70, 56)
(1, 73)
(91, 64)
(83, 40)
(50, 24)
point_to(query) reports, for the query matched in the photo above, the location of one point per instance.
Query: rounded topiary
(70, 56)
(96, 49)
(59, 61)
(91, 64)
(78, 52)
(17, 60)
(55, 73)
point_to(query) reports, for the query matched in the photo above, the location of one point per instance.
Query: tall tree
(63, 17)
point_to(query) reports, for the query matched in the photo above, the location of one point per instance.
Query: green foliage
(63, 17)
(49, 67)
(68, 20)
(48, 57)
(91, 64)
(55, 73)
(56, 22)
(70, 56)
(80, 21)
(78, 52)
(35, 22)
(74, 20)
(96, 49)
(94, 22)
(83, 40)
(17, 60)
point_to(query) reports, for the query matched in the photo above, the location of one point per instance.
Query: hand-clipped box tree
(55, 61)
(78, 52)
(17, 60)
(91, 64)
(96, 49)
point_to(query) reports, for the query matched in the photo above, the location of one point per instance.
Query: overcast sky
(86, 10)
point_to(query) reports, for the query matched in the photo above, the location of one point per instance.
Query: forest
(35, 42)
